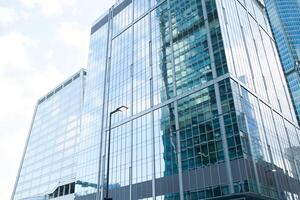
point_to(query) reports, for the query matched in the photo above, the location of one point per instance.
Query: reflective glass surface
(93, 108)
(209, 114)
(50, 154)
(208, 110)
(251, 52)
(284, 17)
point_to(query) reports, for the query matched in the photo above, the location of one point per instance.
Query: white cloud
(49, 7)
(76, 12)
(49, 53)
(7, 16)
(28, 3)
(74, 35)
(14, 49)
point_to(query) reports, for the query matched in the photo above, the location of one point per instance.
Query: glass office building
(209, 111)
(284, 17)
(209, 115)
(47, 168)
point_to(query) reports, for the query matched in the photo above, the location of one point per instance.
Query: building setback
(48, 166)
(284, 17)
(209, 111)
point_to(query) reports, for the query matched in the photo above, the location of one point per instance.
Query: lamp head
(122, 108)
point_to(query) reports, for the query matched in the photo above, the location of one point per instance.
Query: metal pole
(120, 109)
(108, 155)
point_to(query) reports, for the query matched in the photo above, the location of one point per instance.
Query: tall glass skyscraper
(47, 168)
(284, 16)
(209, 111)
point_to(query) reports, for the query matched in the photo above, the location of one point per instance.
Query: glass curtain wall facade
(47, 168)
(209, 111)
(284, 17)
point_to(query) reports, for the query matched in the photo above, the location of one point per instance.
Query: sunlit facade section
(47, 168)
(209, 112)
(284, 17)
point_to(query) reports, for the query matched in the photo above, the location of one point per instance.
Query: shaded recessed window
(75, 77)
(72, 188)
(67, 189)
(42, 100)
(58, 89)
(68, 82)
(55, 194)
(61, 190)
(50, 95)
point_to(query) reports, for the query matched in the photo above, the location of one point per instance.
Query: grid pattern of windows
(120, 88)
(121, 143)
(90, 138)
(50, 153)
(251, 52)
(204, 86)
(122, 19)
(161, 60)
(284, 17)
(140, 7)
(190, 46)
(200, 130)
(208, 115)
(62, 191)
(142, 149)
(165, 142)
(265, 137)
(230, 120)
(216, 37)
(141, 66)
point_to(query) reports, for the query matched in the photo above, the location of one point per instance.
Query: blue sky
(42, 42)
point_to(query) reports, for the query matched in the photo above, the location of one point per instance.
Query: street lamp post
(119, 109)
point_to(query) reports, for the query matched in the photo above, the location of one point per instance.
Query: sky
(42, 43)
